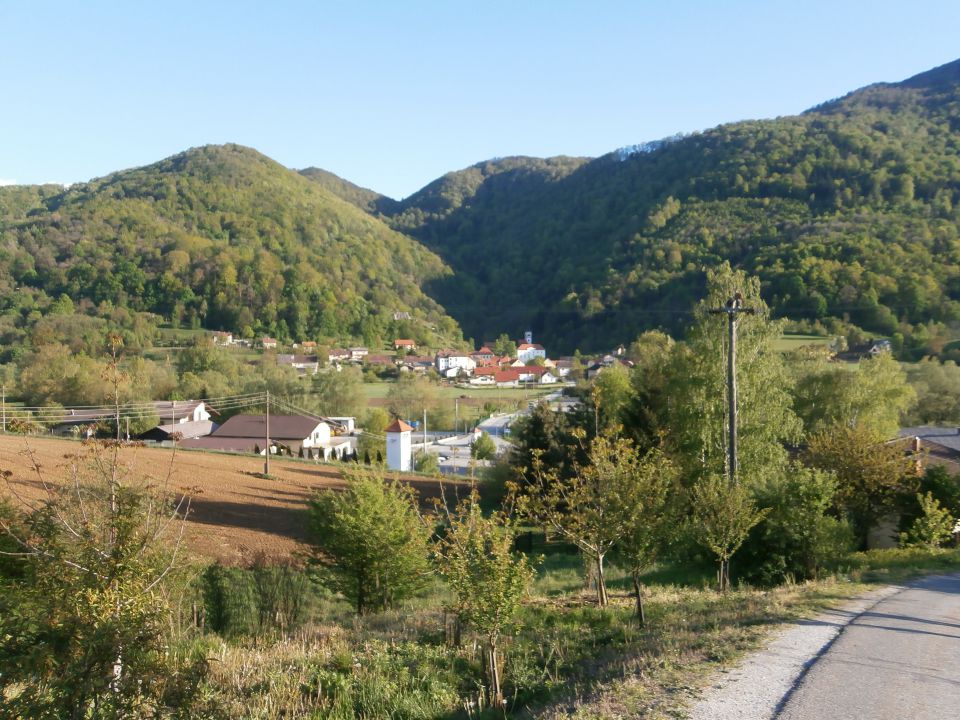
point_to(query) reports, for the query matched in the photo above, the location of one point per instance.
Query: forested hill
(223, 237)
(847, 212)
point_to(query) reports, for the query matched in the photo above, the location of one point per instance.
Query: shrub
(371, 539)
(933, 528)
(798, 537)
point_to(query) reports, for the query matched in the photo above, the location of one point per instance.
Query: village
(259, 424)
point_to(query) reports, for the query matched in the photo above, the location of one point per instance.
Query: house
(182, 411)
(398, 316)
(268, 343)
(222, 338)
(338, 355)
(347, 424)
(484, 355)
(358, 353)
(380, 360)
(450, 363)
(303, 364)
(878, 347)
(290, 431)
(419, 364)
(172, 413)
(187, 430)
(527, 352)
(934, 445)
(405, 345)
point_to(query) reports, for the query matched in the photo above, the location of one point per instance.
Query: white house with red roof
(528, 352)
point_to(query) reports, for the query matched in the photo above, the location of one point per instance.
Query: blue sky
(391, 95)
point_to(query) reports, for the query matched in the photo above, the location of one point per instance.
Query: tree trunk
(493, 677)
(638, 590)
(601, 584)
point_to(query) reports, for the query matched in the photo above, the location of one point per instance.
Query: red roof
(529, 346)
(404, 343)
(398, 425)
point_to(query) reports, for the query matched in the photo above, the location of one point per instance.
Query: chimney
(916, 444)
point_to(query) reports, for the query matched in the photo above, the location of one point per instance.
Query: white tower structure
(399, 451)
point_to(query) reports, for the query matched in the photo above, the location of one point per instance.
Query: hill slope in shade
(847, 211)
(227, 238)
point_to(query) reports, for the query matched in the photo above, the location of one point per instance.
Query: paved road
(899, 660)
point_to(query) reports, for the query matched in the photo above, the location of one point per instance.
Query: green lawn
(786, 343)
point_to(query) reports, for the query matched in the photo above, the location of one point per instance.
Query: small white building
(399, 446)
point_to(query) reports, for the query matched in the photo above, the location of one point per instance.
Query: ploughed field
(235, 516)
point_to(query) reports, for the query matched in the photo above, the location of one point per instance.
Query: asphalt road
(898, 660)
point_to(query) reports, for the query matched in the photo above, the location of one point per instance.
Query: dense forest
(847, 213)
(223, 238)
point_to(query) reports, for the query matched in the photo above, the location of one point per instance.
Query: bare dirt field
(234, 516)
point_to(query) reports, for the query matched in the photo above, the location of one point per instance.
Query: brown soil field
(234, 517)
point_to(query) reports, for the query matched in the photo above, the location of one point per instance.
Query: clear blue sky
(393, 94)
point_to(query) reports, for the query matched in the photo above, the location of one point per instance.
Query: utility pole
(3, 404)
(732, 309)
(266, 462)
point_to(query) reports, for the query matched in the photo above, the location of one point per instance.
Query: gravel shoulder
(758, 687)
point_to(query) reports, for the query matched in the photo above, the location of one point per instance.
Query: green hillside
(221, 237)
(847, 212)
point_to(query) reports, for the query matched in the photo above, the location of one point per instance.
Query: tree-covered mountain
(220, 237)
(367, 200)
(848, 213)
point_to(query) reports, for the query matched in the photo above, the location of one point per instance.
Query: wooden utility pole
(732, 309)
(266, 462)
(4, 405)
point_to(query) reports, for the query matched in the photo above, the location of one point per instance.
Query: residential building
(528, 352)
(268, 343)
(404, 344)
(290, 431)
(451, 363)
(303, 364)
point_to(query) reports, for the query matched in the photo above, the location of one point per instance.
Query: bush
(483, 448)
(426, 463)
(932, 529)
(371, 539)
(798, 538)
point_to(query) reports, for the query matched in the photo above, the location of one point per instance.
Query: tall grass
(320, 661)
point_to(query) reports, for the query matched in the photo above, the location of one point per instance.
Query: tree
(504, 346)
(874, 395)
(371, 539)
(611, 395)
(872, 474)
(655, 520)
(475, 555)
(933, 528)
(82, 632)
(723, 515)
(339, 394)
(483, 448)
(409, 397)
(696, 389)
(597, 505)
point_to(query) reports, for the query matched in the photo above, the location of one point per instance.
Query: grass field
(786, 343)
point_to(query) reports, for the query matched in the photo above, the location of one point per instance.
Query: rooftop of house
(529, 346)
(282, 427)
(948, 437)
